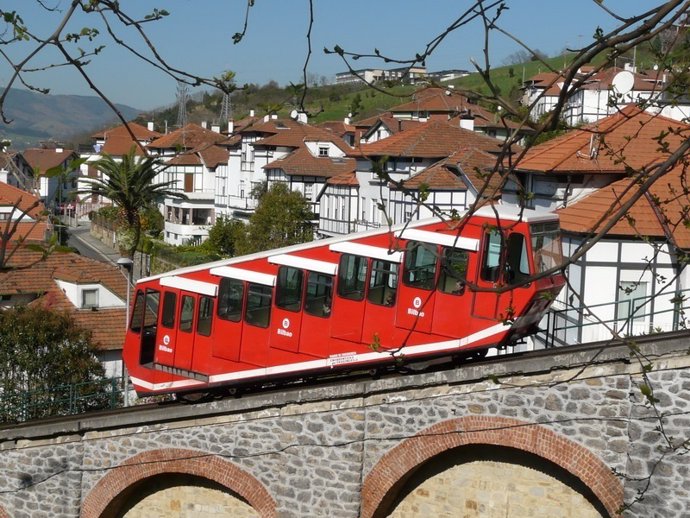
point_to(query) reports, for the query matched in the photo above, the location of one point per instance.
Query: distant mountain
(37, 117)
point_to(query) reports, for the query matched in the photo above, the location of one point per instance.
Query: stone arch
(395, 466)
(177, 461)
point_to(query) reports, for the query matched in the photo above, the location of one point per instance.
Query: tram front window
(546, 246)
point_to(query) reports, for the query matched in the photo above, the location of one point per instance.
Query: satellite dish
(293, 114)
(623, 82)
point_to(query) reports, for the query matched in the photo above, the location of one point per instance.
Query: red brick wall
(379, 486)
(158, 462)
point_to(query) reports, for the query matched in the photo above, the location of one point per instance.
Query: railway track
(254, 397)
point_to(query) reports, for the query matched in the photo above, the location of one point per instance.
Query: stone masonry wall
(343, 450)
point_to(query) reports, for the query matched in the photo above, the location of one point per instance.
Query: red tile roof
(348, 179)
(140, 132)
(644, 217)
(435, 139)
(38, 277)
(465, 166)
(296, 134)
(302, 163)
(32, 231)
(628, 139)
(119, 145)
(188, 137)
(40, 159)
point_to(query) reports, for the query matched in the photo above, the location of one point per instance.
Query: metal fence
(22, 405)
(634, 317)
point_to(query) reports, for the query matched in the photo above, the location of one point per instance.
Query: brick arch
(178, 461)
(398, 463)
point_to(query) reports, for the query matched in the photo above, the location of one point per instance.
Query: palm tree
(128, 183)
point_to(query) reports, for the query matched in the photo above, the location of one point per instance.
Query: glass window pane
(230, 297)
(546, 246)
(319, 294)
(258, 311)
(169, 307)
(453, 271)
(383, 283)
(151, 314)
(420, 265)
(289, 288)
(186, 314)
(352, 274)
(517, 259)
(203, 322)
(491, 261)
(138, 312)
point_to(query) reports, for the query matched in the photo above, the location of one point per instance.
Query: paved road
(87, 245)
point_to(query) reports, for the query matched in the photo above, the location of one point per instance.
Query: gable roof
(140, 132)
(467, 168)
(346, 179)
(626, 139)
(42, 159)
(187, 137)
(302, 163)
(666, 204)
(38, 277)
(434, 139)
(296, 134)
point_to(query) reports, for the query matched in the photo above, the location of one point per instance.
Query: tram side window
(289, 288)
(230, 297)
(186, 313)
(517, 263)
(491, 262)
(258, 312)
(319, 294)
(137, 313)
(205, 317)
(420, 265)
(169, 307)
(453, 271)
(352, 275)
(383, 283)
(151, 313)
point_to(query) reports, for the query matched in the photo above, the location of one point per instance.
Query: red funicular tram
(421, 290)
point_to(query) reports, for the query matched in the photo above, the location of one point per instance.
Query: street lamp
(127, 264)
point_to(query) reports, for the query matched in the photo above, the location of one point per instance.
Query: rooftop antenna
(182, 97)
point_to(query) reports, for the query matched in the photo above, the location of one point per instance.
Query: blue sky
(197, 36)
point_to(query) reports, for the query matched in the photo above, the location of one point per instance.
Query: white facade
(629, 288)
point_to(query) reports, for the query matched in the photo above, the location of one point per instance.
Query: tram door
(415, 308)
(145, 321)
(228, 332)
(349, 305)
(167, 332)
(184, 348)
(453, 299)
(287, 321)
(503, 262)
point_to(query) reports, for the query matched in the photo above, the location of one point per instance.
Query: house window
(308, 190)
(89, 298)
(632, 297)
(323, 151)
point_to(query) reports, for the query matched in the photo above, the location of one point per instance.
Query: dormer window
(323, 151)
(89, 298)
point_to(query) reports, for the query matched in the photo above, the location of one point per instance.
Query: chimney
(204, 124)
(231, 126)
(467, 122)
(251, 113)
(302, 117)
(215, 128)
(267, 117)
(149, 125)
(274, 116)
(346, 120)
